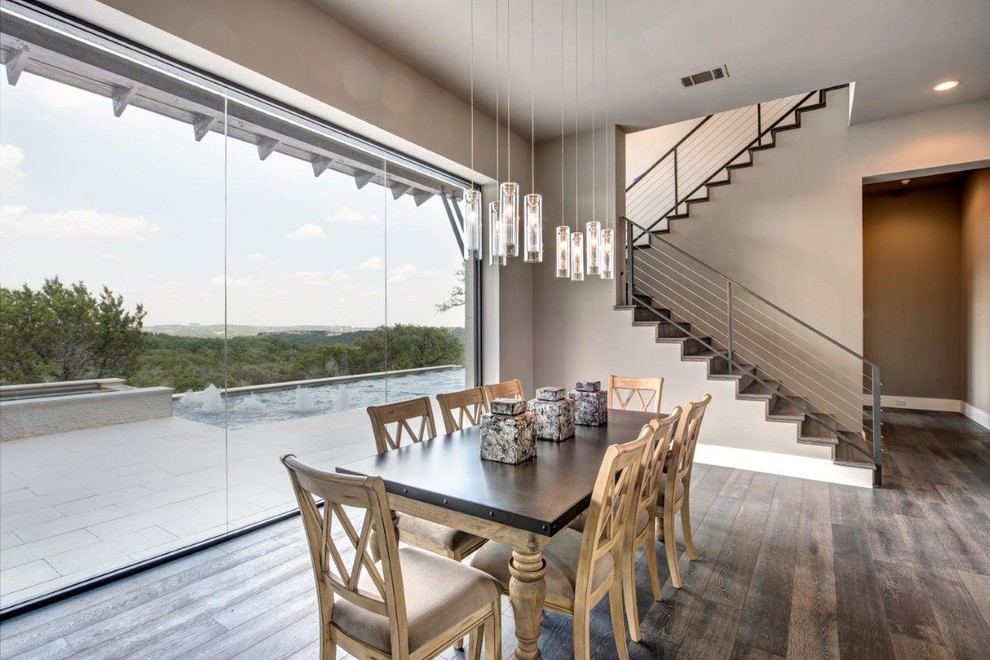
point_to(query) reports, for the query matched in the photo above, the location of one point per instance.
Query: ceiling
(894, 50)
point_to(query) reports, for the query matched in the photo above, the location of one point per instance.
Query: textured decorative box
(508, 432)
(590, 403)
(554, 414)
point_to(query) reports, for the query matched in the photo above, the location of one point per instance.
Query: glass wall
(194, 283)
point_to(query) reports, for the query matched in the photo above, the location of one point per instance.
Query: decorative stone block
(590, 408)
(554, 419)
(550, 394)
(588, 386)
(508, 438)
(508, 406)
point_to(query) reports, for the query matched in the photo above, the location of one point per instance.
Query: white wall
(976, 292)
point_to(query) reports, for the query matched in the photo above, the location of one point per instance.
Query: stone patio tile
(44, 548)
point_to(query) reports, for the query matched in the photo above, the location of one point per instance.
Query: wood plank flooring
(786, 568)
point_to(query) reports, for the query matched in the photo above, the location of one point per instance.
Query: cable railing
(827, 383)
(705, 156)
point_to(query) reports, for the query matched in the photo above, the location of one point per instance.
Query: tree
(456, 296)
(66, 333)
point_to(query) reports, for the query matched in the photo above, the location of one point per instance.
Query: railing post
(677, 198)
(759, 124)
(728, 304)
(629, 262)
(877, 430)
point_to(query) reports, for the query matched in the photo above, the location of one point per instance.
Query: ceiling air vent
(705, 76)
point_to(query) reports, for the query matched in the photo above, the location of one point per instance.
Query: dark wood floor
(787, 568)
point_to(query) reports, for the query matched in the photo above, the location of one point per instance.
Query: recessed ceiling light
(904, 182)
(945, 85)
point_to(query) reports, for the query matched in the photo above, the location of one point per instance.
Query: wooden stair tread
(786, 410)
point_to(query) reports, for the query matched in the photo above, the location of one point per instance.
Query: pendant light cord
(498, 97)
(508, 90)
(532, 95)
(562, 215)
(608, 187)
(594, 116)
(472, 93)
(577, 153)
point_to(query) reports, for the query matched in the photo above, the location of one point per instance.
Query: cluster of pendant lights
(576, 253)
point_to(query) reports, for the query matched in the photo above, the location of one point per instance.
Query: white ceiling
(894, 50)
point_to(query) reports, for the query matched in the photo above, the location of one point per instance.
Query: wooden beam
(122, 96)
(202, 125)
(15, 64)
(320, 164)
(362, 179)
(399, 189)
(266, 146)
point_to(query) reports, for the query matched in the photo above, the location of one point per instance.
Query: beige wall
(912, 293)
(976, 288)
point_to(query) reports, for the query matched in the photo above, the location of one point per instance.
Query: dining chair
(467, 405)
(403, 418)
(510, 389)
(411, 604)
(622, 389)
(643, 533)
(581, 568)
(675, 488)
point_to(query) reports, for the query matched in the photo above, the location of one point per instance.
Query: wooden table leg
(527, 591)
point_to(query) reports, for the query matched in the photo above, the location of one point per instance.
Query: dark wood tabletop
(542, 495)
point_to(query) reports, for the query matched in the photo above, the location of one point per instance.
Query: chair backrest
(404, 416)
(506, 390)
(647, 391)
(654, 459)
(685, 442)
(462, 409)
(612, 502)
(338, 573)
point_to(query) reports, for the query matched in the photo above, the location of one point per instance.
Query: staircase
(806, 378)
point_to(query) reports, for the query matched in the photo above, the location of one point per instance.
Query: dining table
(444, 480)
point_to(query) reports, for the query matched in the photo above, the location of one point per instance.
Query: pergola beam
(202, 125)
(363, 178)
(15, 64)
(399, 189)
(320, 164)
(122, 97)
(266, 145)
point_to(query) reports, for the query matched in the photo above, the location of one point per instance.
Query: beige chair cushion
(439, 535)
(439, 594)
(642, 520)
(678, 490)
(561, 556)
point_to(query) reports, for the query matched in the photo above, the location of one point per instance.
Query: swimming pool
(249, 409)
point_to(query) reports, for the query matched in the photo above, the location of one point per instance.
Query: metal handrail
(670, 151)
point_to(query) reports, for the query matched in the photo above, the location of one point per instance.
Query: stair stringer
(736, 432)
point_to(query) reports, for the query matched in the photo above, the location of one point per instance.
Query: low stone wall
(44, 415)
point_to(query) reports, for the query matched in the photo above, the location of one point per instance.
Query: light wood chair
(643, 532)
(581, 568)
(411, 604)
(510, 389)
(675, 489)
(413, 419)
(622, 389)
(460, 407)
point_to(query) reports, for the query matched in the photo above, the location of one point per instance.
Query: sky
(136, 204)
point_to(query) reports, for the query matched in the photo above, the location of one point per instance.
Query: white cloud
(402, 273)
(308, 232)
(258, 258)
(347, 215)
(74, 225)
(371, 263)
(11, 158)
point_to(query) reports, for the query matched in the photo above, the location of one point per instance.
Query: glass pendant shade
(496, 237)
(533, 222)
(577, 257)
(473, 242)
(563, 251)
(593, 234)
(608, 254)
(509, 198)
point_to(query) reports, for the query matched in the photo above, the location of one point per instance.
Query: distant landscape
(217, 330)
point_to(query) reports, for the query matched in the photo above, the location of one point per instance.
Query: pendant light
(563, 233)
(473, 216)
(509, 191)
(577, 238)
(496, 235)
(533, 202)
(593, 229)
(608, 234)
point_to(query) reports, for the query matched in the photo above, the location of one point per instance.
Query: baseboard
(981, 417)
(802, 467)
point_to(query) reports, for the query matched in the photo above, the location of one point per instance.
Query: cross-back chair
(675, 492)
(640, 393)
(462, 409)
(583, 567)
(411, 419)
(510, 389)
(411, 604)
(640, 532)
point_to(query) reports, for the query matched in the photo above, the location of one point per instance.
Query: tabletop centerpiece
(554, 414)
(508, 432)
(590, 403)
